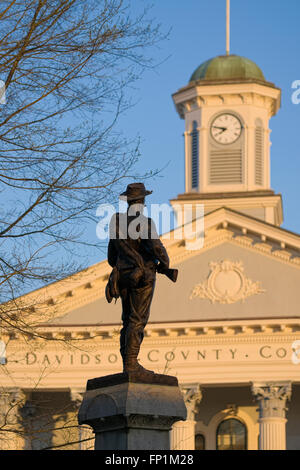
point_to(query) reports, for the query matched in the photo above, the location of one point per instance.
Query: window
(231, 435)
(199, 442)
(195, 159)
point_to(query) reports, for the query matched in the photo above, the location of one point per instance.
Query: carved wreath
(226, 284)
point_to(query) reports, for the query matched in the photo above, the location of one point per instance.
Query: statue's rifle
(171, 273)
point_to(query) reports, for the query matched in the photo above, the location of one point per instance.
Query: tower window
(231, 435)
(195, 158)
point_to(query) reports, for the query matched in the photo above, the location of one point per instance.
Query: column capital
(192, 396)
(15, 394)
(272, 390)
(272, 397)
(76, 396)
(12, 400)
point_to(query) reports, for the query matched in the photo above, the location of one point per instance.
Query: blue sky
(266, 32)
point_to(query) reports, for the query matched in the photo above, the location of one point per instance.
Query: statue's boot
(130, 343)
(131, 364)
(134, 366)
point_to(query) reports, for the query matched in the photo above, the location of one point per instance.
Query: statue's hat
(135, 191)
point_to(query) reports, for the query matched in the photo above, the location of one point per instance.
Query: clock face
(226, 128)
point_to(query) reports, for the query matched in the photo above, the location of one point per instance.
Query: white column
(183, 432)
(183, 435)
(86, 434)
(272, 399)
(11, 435)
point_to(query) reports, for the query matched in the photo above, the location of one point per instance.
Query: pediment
(226, 282)
(245, 269)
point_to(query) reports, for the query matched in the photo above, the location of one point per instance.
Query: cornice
(193, 332)
(246, 240)
(205, 93)
(256, 201)
(252, 224)
(242, 84)
(224, 195)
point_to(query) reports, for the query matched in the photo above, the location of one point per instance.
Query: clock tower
(227, 106)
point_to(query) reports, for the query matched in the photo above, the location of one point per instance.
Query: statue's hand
(160, 268)
(135, 277)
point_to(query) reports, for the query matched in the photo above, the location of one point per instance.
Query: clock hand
(218, 127)
(221, 132)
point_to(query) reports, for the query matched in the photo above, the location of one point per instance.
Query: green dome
(231, 67)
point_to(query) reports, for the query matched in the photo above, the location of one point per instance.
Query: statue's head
(135, 193)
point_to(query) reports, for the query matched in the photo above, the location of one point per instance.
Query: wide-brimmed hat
(135, 191)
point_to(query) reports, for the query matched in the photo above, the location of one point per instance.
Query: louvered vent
(226, 166)
(195, 159)
(259, 155)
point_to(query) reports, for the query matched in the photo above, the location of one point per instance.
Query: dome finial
(227, 27)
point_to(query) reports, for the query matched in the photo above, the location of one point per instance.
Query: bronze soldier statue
(135, 253)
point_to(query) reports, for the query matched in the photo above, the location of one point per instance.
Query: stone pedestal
(130, 412)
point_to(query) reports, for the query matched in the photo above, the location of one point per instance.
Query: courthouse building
(228, 329)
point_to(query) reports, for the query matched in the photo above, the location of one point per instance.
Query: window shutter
(195, 156)
(259, 155)
(226, 166)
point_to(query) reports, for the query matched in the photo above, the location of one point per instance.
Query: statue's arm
(112, 254)
(161, 253)
(157, 248)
